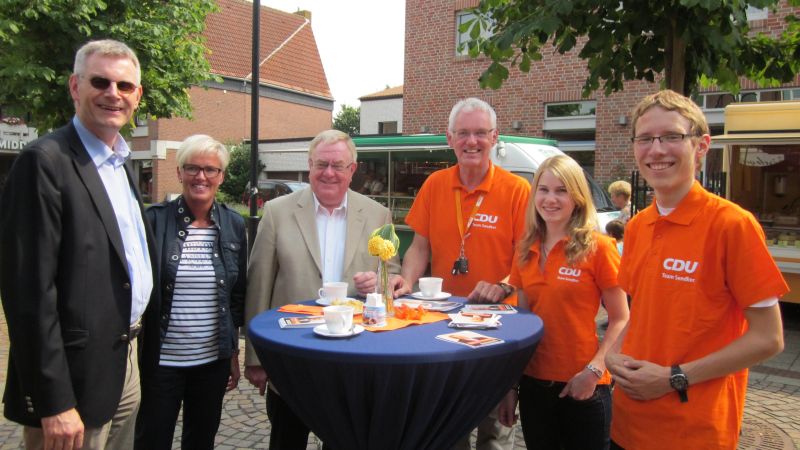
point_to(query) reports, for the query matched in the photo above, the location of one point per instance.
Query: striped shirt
(192, 336)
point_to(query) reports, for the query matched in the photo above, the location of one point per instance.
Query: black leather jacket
(169, 221)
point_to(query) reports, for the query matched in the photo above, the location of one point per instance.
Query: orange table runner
(392, 323)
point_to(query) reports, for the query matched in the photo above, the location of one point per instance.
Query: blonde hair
(620, 187)
(200, 144)
(581, 225)
(672, 101)
(332, 137)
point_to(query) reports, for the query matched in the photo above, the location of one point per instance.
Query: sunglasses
(100, 83)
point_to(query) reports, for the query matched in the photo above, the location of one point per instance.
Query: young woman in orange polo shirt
(562, 269)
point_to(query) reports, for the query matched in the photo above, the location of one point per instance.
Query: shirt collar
(688, 208)
(185, 216)
(98, 150)
(317, 205)
(486, 183)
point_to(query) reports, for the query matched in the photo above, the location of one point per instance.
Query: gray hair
(105, 47)
(467, 105)
(332, 137)
(200, 144)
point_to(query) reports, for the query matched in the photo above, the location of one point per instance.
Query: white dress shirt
(332, 233)
(109, 164)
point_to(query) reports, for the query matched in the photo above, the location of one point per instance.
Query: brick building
(546, 101)
(295, 99)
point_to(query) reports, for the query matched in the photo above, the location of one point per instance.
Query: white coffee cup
(338, 318)
(430, 286)
(332, 290)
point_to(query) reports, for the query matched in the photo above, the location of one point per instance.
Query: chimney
(304, 13)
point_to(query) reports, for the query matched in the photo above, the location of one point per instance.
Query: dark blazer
(169, 221)
(64, 284)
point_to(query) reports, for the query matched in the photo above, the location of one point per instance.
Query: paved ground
(772, 411)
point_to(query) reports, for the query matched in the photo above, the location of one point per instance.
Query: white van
(400, 164)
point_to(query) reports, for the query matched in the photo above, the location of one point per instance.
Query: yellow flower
(387, 251)
(375, 245)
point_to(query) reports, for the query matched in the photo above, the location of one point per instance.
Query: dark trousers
(549, 422)
(288, 431)
(200, 389)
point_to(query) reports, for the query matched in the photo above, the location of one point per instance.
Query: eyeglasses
(667, 139)
(336, 166)
(479, 134)
(210, 172)
(100, 83)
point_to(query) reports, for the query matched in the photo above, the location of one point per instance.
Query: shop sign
(755, 157)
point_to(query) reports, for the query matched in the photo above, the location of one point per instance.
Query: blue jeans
(549, 422)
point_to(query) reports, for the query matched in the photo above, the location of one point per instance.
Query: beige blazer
(285, 263)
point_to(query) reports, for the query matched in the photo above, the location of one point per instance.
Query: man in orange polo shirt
(466, 222)
(704, 292)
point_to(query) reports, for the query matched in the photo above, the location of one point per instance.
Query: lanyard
(459, 220)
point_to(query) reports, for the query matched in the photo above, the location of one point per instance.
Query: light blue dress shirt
(110, 166)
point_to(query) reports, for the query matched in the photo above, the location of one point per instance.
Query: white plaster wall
(375, 111)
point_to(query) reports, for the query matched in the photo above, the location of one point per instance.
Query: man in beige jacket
(304, 239)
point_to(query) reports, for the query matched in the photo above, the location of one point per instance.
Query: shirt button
(126, 286)
(216, 255)
(222, 282)
(181, 233)
(174, 257)
(169, 286)
(187, 220)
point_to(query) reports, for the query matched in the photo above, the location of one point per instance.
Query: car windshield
(297, 186)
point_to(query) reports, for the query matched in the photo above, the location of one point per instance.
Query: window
(387, 127)
(719, 100)
(462, 38)
(754, 13)
(574, 109)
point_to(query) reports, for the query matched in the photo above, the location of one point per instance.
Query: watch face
(679, 382)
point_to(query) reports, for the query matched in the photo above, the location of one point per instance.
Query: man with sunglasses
(704, 291)
(305, 239)
(77, 272)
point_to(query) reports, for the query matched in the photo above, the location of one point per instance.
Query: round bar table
(400, 389)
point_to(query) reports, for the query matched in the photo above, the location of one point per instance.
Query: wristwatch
(679, 382)
(507, 289)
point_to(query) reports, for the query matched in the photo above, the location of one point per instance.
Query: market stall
(762, 159)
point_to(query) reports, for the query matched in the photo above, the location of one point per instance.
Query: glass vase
(384, 289)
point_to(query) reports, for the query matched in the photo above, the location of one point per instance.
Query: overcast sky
(360, 42)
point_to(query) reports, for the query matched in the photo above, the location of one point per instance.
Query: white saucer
(322, 330)
(440, 296)
(326, 302)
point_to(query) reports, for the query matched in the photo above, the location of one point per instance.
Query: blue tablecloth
(400, 389)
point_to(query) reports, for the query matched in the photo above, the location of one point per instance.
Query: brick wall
(225, 115)
(165, 177)
(435, 78)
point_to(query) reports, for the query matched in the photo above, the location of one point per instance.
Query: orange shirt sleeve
(752, 274)
(606, 262)
(418, 217)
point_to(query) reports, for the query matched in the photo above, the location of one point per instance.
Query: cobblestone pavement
(772, 410)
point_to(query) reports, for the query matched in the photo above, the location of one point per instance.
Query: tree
(38, 41)
(348, 120)
(690, 41)
(237, 176)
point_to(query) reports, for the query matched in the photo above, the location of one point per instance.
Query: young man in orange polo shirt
(704, 293)
(466, 222)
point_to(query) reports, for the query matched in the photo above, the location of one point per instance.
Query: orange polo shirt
(567, 299)
(691, 274)
(499, 222)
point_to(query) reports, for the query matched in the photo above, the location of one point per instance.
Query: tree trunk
(675, 59)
